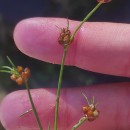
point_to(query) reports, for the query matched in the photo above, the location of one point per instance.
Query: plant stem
(81, 121)
(33, 106)
(62, 66)
(11, 62)
(85, 19)
(5, 71)
(6, 67)
(58, 89)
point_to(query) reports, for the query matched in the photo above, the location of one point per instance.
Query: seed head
(64, 38)
(20, 69)
(65, 35)
(18, 74)
(19, 81)
(90, 110)
(85, 109)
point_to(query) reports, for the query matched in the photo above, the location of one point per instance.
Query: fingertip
(8, 112)
(38, 38)
(98, 47)
(15, 104)
(113, 101)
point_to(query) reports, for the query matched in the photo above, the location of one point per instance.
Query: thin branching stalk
(81, 121)
(85, 19)
(11, 62)
(49, 127)
(58, 89)
(33, 106)
(62, 64)
(5, 71)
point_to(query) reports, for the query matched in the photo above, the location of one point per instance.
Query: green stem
(5, 71)
(11, 62)
(6, 67)
(85, 19)
(62, 65)
(58, 89)
(81, 121)
(33, 107)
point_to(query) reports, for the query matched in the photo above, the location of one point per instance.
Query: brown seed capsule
(89, 113)
(13, 77)
(27, 72)
(19, 81)
(92, 107)
(96, 113)
(85, 109)
(64, 38)
(20, 69)
(23, 76)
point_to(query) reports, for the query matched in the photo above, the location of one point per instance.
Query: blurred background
(45, 74)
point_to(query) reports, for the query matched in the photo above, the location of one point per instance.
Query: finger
(99, 47)
(113, 102)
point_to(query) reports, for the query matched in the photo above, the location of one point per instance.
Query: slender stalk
(62, 66)
(58, 89)
(86, 98)
(81, 121)
(6, 67)
(33, 107)
(5, 71)
(11, 62)
(85, 19)
(49, 127)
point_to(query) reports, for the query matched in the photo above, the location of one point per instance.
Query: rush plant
(21, 76)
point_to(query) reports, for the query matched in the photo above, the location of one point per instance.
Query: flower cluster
(91, 112)
(65, 35)
(18, 74)
(21, 76)
(64, 38)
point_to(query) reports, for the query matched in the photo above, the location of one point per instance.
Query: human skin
(98, 47)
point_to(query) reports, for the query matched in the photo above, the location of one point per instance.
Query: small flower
(85, 109)
(18, 74)
(64, 37)
(90, 110)
(104, 1)
(19, 80)
(65, 34)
